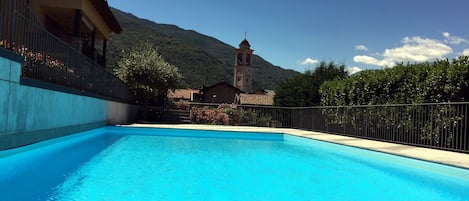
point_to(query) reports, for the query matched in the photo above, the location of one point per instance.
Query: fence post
(44, 53)
(312, 118)
(13, 23)
(465, 134)
(301, 119)
(345, 120)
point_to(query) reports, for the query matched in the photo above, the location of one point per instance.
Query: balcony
(53, 56)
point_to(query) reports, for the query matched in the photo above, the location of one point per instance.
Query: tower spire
(245, 34)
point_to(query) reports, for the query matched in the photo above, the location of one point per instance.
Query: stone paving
(433, 155)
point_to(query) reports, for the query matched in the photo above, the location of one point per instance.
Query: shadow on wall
(30, 114)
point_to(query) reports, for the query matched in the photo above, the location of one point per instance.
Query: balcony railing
(441, 126)
(49, 59)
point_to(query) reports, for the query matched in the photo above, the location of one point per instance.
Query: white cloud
(415, 49)
(454, 40)
(361, 48)
(465, 52)
(418, 49)
(373, 61)
(309, 61)
(353, 70)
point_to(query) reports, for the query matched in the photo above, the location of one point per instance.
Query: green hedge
(302, 90)
(431, 82)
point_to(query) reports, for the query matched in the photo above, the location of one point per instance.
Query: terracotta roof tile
(256, 99)
(182, 93)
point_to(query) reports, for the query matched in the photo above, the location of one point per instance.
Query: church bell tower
(242, 70)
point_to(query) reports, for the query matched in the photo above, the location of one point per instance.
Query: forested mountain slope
(203, 60)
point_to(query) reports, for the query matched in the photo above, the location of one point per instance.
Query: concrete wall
(29, 114)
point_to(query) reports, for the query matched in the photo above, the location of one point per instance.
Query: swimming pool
(117, 163)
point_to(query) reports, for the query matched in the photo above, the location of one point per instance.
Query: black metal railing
(48, 58)
(442, 126)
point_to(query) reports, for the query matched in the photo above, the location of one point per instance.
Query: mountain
(203, 60)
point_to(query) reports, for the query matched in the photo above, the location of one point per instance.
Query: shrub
(226, 114)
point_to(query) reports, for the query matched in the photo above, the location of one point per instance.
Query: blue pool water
(169, 164)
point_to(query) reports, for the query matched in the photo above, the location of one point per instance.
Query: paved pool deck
(433, 155)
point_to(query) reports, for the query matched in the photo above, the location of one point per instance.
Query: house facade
(63, 43)
(222, 92)
(85, 25)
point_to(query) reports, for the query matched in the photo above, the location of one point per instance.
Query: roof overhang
(95, 14)
(106, 14)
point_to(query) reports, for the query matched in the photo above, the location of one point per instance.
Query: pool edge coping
(455, 159)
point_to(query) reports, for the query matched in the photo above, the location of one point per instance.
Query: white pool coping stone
(434, 155)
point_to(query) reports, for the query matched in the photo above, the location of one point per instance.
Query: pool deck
(433, 155)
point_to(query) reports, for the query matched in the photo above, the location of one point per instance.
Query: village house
(85, 25)
(63, 43)
(222, 92)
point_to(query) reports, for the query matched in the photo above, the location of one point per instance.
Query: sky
(297, 34)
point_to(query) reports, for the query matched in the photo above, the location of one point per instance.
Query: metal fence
(442, 126)
(50, 59)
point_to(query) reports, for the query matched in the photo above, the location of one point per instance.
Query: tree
(148, 75)
(303, 90)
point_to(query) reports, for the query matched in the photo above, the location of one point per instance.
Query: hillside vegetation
(202, 60)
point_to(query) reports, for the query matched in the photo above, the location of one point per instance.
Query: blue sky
(362, 34)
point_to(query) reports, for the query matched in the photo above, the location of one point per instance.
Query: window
(240, 58)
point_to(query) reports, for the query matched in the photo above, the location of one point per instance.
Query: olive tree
(148, 74)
